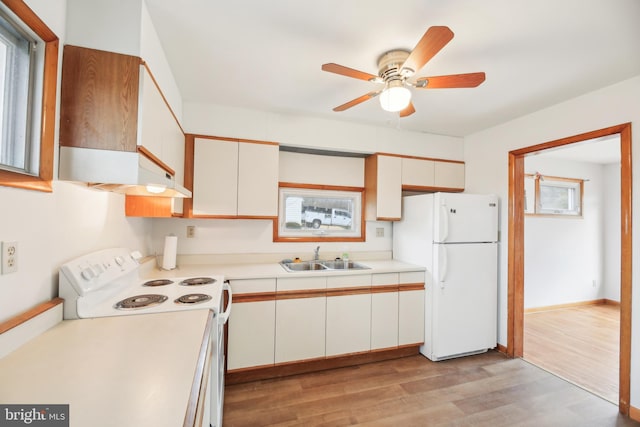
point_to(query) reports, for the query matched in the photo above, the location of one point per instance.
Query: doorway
(515, 321)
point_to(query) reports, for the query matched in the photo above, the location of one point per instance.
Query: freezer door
(465, 218)
(464, 299)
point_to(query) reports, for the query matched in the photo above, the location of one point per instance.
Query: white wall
(255, 236)
(486, 157)
(611, 232)
(52, 228)
(564, 256)
(313, 132)
(123, 26)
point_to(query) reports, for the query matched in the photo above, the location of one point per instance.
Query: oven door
(218, 362)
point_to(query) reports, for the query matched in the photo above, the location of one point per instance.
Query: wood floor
(484, 390)
(580, 344)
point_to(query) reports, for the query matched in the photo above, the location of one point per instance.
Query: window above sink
(315, 215)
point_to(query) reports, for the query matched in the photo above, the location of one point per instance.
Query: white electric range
(108, 283)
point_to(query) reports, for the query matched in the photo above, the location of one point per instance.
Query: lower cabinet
(348, 314)
(300, 318)
(294, 319)
(411, 308)
(252, 324)
(384, 311)
(300, 329)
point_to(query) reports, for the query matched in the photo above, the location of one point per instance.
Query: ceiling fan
(396, 69)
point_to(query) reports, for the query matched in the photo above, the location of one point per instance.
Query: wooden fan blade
(451, 81)
(434, 39)
(346, 71)
(357, 101)
(409, 110)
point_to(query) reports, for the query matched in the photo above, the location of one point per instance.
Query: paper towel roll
(170, 252)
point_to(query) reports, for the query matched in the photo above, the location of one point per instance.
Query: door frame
(515, 285)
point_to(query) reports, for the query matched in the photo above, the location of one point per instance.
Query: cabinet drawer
(356, 281)
(251, 286)
(301, 283)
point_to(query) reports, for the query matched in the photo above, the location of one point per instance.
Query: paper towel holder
(167, 259)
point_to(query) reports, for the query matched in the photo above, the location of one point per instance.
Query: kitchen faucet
(316, 254)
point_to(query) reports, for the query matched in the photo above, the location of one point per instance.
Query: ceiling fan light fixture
(395, 97)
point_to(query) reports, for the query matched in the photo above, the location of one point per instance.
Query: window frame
(280, 235)
(561, 182)
(46, 130)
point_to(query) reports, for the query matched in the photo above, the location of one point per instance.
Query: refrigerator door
(464, 299)
(461, 218)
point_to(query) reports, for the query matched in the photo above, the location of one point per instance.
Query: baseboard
(313, 365)
(569, 305)
(501, 348)
(634, 413)
(612, 302)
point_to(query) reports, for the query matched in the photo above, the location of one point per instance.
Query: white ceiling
(266, 55)
(604, 150)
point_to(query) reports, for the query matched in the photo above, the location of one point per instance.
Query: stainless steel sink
(343, 265)
(302, 266)
(322, 265)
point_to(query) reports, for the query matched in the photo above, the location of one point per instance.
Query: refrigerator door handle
(442, 265)
(444, 223)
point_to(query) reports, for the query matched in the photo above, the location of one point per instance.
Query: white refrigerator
(455, 237)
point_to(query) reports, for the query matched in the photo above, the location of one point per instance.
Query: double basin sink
(322, 265)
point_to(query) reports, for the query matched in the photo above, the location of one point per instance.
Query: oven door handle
(225, 316)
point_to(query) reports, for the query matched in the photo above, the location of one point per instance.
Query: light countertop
(273, 270)
(132, 370)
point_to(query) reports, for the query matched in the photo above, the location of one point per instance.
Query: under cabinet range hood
(131, 173)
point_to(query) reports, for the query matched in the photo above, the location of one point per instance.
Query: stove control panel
(99, 269)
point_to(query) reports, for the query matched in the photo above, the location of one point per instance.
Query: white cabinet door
(252, 324)
(215, 182)
(411, 305)
(251, 334)
(449, 175)
(300, 329)
(389, 187)
(159, 131)
(384, 311)
(410, 317)
(348, 324)
(417, 172)
(383, 187)
(258, 179)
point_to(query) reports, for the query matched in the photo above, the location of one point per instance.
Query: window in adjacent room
(550, 195)
(28, 75)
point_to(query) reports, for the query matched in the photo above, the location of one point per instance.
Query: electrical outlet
(379, 232)
(191, 231)
(9, 257)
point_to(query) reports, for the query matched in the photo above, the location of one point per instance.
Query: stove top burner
(158, 282)
(192, 299)
(140, 301)
(195, 281)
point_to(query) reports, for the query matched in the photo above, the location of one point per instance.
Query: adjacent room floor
(580, 344)
(484, 390)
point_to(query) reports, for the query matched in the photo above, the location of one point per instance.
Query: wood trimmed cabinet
(348, 314)
(112, 102)
(388, 175)
(234, 178)
(252, 325)
(300, 324)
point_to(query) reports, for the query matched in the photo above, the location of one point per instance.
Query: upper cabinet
(383, 188)
(387, 176)
(234, 178)
(115, 127)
